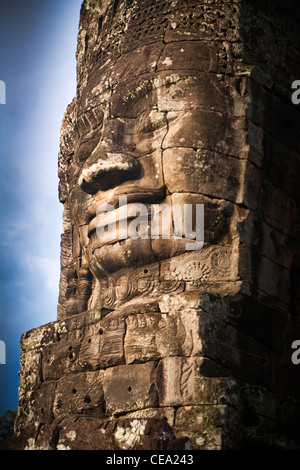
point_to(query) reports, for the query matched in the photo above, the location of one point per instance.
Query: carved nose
(105, 170)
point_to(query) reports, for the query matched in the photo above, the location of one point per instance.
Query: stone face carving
(157, 346)
(140, 127)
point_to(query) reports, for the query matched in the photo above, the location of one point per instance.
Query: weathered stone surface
(202, 425)
(47, 437)
(158, 345)
(147, 434)
(102, 344)
(177, 381)
(128, 388)
(196, 55)
(80, 393)
(36, 406)
(202, 171)
(86, 433)
(236, 353)
(165, 413)
(149, 337)
(61, 358)
(255, 319)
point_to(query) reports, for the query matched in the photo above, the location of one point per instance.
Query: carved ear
(75, 278)
(77, 292)
(66, 152)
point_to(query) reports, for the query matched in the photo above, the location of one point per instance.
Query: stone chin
(118, 256)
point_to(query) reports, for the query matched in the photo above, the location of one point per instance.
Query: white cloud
(46, 269)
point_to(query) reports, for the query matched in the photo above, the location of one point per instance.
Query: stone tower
(158, 344)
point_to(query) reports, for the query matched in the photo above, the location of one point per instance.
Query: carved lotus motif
(194, 271)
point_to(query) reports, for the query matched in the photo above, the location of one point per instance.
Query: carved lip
(146, 197)
(117, 215)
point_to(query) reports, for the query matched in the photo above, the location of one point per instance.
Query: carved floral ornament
(214, 265)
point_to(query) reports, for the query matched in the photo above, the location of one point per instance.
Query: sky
(38, 66)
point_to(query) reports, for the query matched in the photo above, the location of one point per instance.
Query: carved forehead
(138, 75)
(125, 25)
(127, 39)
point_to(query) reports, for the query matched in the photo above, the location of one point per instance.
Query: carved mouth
(95, 218)
(121, 215)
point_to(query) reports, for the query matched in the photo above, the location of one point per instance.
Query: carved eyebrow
(89, 120)
(152, 126)
(142, 88)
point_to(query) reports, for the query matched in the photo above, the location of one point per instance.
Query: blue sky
(37, 64)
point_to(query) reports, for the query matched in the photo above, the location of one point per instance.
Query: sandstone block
(179, 381)
(80, 393)
(102, 344)
(196, 55)
(247, 315)
(86, 433)
(47, 437)
(62, 357)
(202, 425)
(185, 91)
(148, 337)
(146, 434)
(279, 210)
(202, 171)
(130, 387)
(192, 129)
(235, 350)
(36, 406)
(273, 279)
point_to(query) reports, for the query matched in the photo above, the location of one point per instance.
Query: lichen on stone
(128, 438)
